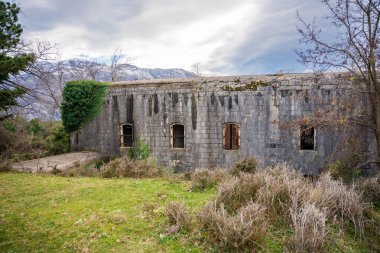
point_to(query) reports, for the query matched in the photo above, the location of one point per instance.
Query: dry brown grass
(283, 195)
(241, 232)
(309, 229)
(206, 178)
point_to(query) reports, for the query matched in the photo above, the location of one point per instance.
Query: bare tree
(196, 68)
(84, 69)
(355, 49)
(115, 64)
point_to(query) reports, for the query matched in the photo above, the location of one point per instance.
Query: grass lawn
(40, 213)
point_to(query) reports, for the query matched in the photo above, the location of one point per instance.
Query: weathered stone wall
(203, 105)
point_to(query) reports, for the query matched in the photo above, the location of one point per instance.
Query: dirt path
(60, 162)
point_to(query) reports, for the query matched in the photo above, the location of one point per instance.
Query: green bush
(139, 151)
(35, 127)
(82, 101)
(59, 140)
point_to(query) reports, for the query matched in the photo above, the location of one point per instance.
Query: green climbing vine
(82, 101)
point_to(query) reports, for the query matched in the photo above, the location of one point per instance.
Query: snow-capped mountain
(84, 69)
(47, 79)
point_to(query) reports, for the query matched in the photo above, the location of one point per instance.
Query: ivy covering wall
(82, 101)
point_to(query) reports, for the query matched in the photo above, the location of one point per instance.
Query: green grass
(40, 213)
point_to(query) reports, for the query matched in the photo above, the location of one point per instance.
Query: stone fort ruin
(215, 121)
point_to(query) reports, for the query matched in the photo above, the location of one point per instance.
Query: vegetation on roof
(249, 86)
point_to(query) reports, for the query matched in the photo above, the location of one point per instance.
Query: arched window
(231, 136)
(126, 135)
(177, 136)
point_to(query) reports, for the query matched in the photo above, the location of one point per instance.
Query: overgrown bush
(179, 217)
(125, 167)
(309, 229)
(206, 178)
(248, 165)
(241, 232)
(139, 151)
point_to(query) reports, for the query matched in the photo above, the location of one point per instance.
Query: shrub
(59, 140)
(348, 171)
(309, 229)
(242, 232)
(234, 192)
(178, 216)
(5, 166)
(206, 178)
(139, 151)
(342, 202)
(124, 167)
(248, 165)
(370, 189)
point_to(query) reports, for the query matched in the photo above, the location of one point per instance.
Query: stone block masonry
(255, 104)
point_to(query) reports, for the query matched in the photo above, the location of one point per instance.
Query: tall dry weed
(342, 203)
(309, 229)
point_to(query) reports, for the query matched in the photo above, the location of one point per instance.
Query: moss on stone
(250, 86)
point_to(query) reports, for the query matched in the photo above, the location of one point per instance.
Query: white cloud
(225, 37)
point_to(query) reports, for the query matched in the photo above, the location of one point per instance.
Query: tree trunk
(377, 115)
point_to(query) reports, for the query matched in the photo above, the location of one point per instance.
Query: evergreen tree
(12, 59)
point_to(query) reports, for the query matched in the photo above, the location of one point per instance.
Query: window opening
(126, 135)
(307, 137)
(177, 136)
(231, 136)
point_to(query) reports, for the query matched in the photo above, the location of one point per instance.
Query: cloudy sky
(226, 37)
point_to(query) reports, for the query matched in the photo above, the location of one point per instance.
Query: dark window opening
(126, 135)
(178, 136)
(231, 136)
(307, 137)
